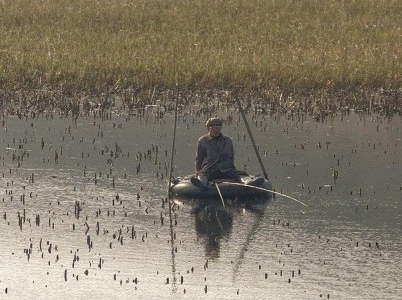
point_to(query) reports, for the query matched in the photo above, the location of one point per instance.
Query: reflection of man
(212, 223)
(215, 157)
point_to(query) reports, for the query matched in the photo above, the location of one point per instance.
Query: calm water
(84, 216)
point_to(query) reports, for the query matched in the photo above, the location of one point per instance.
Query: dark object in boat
(251, 187)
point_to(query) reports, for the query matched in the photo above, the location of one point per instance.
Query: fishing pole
(169, 186)
(220, 194)
(267, 190)
(173, 144)
(251, 137)
(206, 167)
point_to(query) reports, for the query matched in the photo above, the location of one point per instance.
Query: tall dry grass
(100, 45)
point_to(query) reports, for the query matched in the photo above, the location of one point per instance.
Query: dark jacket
(214, 153)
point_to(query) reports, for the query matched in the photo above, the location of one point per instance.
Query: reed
(102, 45)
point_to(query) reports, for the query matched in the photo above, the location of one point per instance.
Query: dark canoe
(182, 187)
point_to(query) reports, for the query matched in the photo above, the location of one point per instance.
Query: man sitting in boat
(215, 157)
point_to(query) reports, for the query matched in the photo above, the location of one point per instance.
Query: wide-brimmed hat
(213, 121)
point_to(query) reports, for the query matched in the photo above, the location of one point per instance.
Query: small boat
(226, 188)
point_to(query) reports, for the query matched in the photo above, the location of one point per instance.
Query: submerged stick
(263, 189)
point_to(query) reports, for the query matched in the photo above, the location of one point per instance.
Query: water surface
(84, 211)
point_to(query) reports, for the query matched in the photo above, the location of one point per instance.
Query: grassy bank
(102, 45)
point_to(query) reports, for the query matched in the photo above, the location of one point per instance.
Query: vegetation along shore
(280, 47)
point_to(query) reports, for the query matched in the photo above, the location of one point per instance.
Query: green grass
(103, 45)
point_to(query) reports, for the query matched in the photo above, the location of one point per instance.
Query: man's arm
(199, 157)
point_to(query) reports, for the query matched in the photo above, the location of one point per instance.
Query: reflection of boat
(255, 205)
(183, 188)
(213, 222)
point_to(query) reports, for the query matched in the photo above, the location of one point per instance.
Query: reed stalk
(102, 45)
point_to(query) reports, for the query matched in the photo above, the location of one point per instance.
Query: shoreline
(318, 105)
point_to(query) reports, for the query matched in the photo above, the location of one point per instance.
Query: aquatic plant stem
(263, 189)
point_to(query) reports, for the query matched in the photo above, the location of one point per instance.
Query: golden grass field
(290, 45)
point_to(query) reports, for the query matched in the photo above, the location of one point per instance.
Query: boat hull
(183, 188)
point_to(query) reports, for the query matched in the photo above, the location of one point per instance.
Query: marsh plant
(102, 46)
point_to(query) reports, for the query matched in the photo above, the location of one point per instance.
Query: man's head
(214, 126)
(214, 121)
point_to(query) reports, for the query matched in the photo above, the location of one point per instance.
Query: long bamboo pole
(170, 202)
(251, 137)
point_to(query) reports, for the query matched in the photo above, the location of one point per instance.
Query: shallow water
(92, 220)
